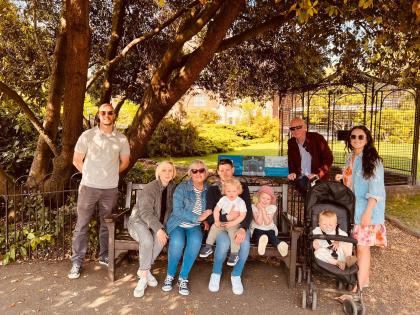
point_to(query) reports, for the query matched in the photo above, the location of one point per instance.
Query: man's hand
(240, 236)
(291, 176)
(162, 237)
(205, 215)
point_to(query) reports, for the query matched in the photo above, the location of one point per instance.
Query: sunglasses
(104, 112)
(200, 170)
(296, 128)
(360, 137)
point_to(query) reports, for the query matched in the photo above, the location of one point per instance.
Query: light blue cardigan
(364, 189)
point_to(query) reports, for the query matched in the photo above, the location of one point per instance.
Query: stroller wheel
(304, 298)
(314, 300)
(349, 307)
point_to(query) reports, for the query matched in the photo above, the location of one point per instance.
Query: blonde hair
(327, 214)
(159, 168)
(232, 182)
(195, 162)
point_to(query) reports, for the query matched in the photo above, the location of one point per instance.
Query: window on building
(199, 101)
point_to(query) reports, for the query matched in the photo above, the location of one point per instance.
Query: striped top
(197, 209)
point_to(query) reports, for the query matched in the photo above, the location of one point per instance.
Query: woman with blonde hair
(148, 219)
(184, 230)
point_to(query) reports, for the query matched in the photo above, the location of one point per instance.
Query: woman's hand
(162, 237)
(366, 219)
(206, 225)
(204, 215)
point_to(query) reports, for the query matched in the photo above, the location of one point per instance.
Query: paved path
(43, 288)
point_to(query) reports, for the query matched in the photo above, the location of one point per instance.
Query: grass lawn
(399, 154)
(406, 209)
(211, 159)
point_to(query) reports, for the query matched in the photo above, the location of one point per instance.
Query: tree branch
(11, 94)
(43, 54)
(262, 28)
(136, 41)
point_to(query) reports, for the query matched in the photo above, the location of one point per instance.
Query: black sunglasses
(200, 170)
(296, 128)
(361, 137)
(104, 112)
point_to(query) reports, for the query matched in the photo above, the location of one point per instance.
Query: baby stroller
(338, 198)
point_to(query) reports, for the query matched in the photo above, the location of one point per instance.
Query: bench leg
(293, 258)
(111, 251)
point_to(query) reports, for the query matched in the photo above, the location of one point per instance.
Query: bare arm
(124, 161)
(78, 159)
(267, 218)
(258, 217)
(238, 220)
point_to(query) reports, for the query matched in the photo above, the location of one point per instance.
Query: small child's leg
(211, 237)
(234, 248)
(347, 248)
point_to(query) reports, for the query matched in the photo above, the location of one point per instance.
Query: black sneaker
(104, 261)
(167, 284)
(206, 250)
(183, 287)
(233, 259)
(74, 271)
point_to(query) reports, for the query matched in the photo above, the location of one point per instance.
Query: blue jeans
(177, 239)
(221, 251)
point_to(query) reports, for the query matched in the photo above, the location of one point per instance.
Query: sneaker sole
(152, 284)
(231, 264)
(262, 244)
(205, 255)
(167, 289)
(138, 294)
(73, 277)
(184, 293)
(283, 249)
(103, 264)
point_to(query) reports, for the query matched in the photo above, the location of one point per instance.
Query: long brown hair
(370, 155)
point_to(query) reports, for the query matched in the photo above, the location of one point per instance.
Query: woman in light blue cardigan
(183, 226)
(364, 175)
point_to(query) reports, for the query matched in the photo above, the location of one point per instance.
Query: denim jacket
(184, 201)
(364, 189)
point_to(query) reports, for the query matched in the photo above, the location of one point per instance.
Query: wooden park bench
(120, 242)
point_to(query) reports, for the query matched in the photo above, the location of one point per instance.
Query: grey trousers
(214, 231)
(149, 246)
(86, 202)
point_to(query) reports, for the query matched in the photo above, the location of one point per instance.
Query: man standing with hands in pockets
(100, 154)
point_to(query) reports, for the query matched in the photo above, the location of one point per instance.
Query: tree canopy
(55, 52)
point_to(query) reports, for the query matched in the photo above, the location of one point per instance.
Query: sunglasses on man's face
(104, 112)
(296, 128)
(200, 170)
(360, 137)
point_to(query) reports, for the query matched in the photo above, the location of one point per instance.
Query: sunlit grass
(406, 208)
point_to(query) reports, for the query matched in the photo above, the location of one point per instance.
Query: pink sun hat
(269, 191)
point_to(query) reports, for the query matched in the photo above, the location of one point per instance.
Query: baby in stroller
(333, 252)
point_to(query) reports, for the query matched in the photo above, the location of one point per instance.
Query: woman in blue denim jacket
(183, 226)
(364, 175)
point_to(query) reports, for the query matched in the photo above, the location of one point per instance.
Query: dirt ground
(43, 288)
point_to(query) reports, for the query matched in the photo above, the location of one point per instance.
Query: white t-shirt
(228, 205)
(324, 243)
(271, 209)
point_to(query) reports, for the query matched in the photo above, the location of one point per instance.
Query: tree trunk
(41, 164)
(161, 95)
(116, 34)
(6, 183)
(76, 65)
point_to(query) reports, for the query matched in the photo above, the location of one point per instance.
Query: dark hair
(370, 155)
(224, 162)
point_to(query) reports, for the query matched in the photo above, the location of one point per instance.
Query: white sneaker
(74, 271)
(214, 282)
(262, 244)
(151, 280)
(237, 287)
(283, 248)
(141, 286)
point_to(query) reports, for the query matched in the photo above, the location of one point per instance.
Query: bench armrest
(115, 217)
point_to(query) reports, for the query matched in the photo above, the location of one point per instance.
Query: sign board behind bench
(258, 165)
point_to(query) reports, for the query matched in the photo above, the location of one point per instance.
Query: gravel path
(43, 288)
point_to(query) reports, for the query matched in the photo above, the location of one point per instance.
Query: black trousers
(272, 238)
